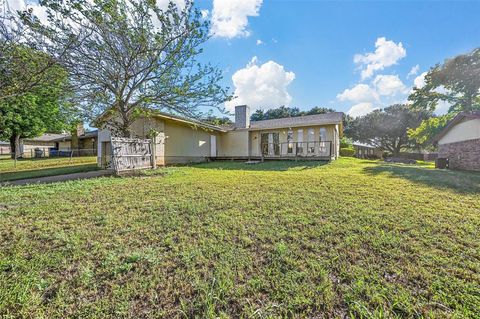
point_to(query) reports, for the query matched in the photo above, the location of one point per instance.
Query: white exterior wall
(463, 131)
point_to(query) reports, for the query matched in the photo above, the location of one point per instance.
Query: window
(311, 141)
(289, 142)
(300, 141)
(323, 138)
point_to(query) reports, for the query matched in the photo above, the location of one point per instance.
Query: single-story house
(182, 140)
(43, 142)
(367, 151)
(4, 147)
(459, 141)
(84, 143)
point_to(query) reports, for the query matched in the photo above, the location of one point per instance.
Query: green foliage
(428, 129)
(31, 111)
(353, 238)
(345, 142)
(283, 111)
(125, 55)
(457, 81)
(387, 128)
(218, 121)
(347, 151)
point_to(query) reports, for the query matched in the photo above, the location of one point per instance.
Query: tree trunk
(15, 146)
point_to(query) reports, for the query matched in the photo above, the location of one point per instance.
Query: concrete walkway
(59, 178)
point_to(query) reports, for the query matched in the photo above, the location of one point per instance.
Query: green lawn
(33, 168)
(351, 238)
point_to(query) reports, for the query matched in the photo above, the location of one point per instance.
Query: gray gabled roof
(298, 121)
(47, 137)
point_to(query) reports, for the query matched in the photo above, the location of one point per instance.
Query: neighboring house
(81, 142)
(459, 141)
(367, 151)
(84, 143)
(43, 142)
(4, 147)
(182, 140)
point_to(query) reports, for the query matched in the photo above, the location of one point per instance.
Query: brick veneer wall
(462, 155)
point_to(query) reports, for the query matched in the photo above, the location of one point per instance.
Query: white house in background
(183, 140)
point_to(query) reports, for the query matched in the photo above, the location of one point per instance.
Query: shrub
(347, 151)
(345, 143)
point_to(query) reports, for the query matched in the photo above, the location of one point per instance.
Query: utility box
(441, 163)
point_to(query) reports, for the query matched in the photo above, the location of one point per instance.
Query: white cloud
(360, 109)
(419, 81)
(413, 71)
(205, 13)
(386, 53)
(389, 85)
(230, 17)
(261, 86)
(259, 42)
(20, 5)
(359, 93)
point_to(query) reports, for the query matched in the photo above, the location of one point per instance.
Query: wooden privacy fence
(131, 154)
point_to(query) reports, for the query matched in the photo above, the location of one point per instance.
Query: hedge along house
(182, 140)
(459, 141)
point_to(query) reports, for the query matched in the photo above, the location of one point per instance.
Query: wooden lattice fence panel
(131, 154)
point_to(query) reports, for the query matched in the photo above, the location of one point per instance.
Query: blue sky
(353, 56)
(317, 41)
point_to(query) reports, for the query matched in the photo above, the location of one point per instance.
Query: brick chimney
(242, 116)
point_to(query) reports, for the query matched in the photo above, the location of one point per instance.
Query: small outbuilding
(459, 141)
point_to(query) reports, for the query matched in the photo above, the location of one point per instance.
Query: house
(182, 140)
(459, 141)
(83, 143)
(44, 142)
(4, 148)
(367, 151)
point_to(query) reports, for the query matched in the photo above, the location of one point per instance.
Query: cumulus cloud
(205, 13)
(259, 42)
(20, 5)
(419, 81)
(389, 85)
(413, 71)
(386, 53)
(230, 17)
(261, 86)
(360, 109)
(359, 93)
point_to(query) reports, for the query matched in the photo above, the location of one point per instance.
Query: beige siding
(467, 130)
(233, 144)
(185, 143)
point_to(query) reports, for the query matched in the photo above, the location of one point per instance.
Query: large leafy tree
(387, 128)
(456, 82)
(283, 111)
(127, 58)
(31, 110)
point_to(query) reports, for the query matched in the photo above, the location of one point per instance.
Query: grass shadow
(459, 181)
(280, 166)
(43, 172)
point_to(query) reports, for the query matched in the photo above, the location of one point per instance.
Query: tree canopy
(128, 57)
(283, 111)
(387, 128)
(38, 108)
(456, 82)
